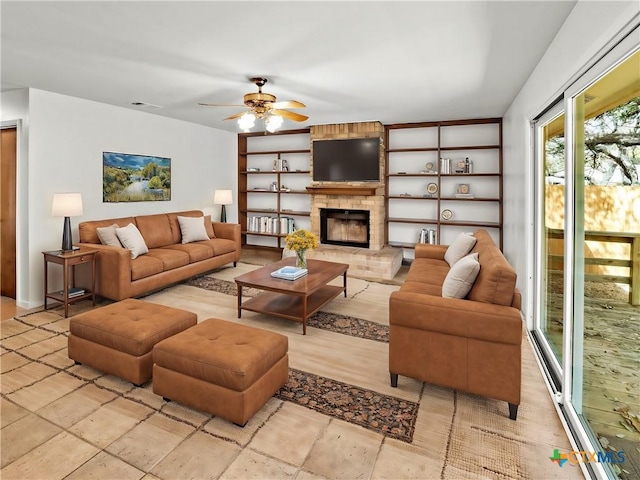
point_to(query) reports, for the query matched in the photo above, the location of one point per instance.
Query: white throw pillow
(107, 235)
(131, 238)
(460, 247)
(193, 229)
(461, 277)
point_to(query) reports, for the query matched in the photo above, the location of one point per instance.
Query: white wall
(589, 27)
(67, 136)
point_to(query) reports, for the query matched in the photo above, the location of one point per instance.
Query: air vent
(145, 105)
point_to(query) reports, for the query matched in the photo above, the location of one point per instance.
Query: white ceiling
(392, 61)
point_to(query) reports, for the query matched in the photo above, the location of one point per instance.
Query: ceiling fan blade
(296, 117)
(218, 105)
(288, 104)
(237, 115)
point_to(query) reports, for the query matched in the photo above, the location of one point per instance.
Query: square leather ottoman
(118, 339)
(222, 368)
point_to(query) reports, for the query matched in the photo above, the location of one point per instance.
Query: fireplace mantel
(342, 190)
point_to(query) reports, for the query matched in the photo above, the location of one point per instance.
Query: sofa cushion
(220, 246)
(176, 234)
(155, 229)
(496, 281)
(460, 247)
(428, 270)
(170, 258)
(461, 277)
(196, 251)
(108, 236)
(88, 230)
(424, 288)
(145, 266)
(131, 238)
(192, 229)
(209, 226)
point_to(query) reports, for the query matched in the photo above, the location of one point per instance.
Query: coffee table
(292, 299)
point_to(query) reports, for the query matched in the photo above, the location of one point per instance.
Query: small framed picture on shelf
(463, 188)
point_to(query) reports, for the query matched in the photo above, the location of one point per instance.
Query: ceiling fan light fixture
(273, 122)
(247, 121)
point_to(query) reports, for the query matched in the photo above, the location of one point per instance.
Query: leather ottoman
(118, 339)
(222, 368)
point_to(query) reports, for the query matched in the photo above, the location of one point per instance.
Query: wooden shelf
(342, 190)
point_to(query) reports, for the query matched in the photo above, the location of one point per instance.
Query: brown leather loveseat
(472, 344)
(168, 260)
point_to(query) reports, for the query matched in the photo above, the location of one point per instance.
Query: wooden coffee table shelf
(294, 300)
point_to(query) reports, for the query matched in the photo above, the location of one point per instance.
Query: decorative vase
(301, 259)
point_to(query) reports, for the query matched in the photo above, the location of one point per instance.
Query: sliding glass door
(587, 288)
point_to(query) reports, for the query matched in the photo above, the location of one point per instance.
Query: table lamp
(222, 197)
(67, 205)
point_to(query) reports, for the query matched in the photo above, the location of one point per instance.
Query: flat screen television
(349, 160)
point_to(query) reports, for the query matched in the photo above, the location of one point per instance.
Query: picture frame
(130, 177)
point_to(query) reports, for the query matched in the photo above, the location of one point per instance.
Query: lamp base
(67, 243)
(223, 214)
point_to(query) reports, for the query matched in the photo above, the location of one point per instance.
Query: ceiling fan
(263, 105)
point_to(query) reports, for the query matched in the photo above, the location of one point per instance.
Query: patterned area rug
(344, 324)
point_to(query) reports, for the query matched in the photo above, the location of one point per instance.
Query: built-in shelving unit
(415, 153)
(409, 207)
(265, 189)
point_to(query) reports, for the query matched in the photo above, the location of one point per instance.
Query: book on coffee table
(289, 273)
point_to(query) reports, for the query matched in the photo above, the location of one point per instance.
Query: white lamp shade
(222, 197)
(66, 205)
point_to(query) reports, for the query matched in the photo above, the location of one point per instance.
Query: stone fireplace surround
(378, 261)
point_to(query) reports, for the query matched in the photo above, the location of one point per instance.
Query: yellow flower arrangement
(300, 241)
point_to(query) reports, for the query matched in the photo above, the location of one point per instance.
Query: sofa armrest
(425, 250)
(113, 271)
(457, 317)
(230, 231)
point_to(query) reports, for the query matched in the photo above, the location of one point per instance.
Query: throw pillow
(131, 238)
(460, 247)
(193, 229)
(209, 226)
(461, 277)
(107, 235)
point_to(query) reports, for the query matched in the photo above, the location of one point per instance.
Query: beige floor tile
(146, 396)
(541, 465)
(304, 475)
(58, 359)
(45, 347)
(195, 458)
(11, 360)
(47, 390)
(114, 383)
(75, 406)
(24, 435)
(110, 421)
(42, 318)
(23, 376)
(60, 326)
(401, 460)
(242, 435)
(185, 414)
(27, 338)
(253, 465)
(105, 466)
(86, 372)
(54, 459)
(290, 433)
(9, 328)
(11, 412)
(453, 473)
(150, 441)
(352, 450)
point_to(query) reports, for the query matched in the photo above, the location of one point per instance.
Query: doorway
(8, 152)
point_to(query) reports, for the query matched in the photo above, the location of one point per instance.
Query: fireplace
(348, 228)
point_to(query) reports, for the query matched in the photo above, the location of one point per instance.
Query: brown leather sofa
(168, 260)
(471, 344)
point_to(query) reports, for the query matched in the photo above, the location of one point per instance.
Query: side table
(69, 260)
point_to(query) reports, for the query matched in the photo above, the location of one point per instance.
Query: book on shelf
(73, 292)
(289, 273)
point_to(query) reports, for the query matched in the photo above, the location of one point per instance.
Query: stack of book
(73, 292)
(289, 273)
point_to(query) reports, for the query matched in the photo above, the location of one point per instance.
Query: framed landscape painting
(135, 178)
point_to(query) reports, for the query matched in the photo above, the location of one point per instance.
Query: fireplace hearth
(349, 228)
